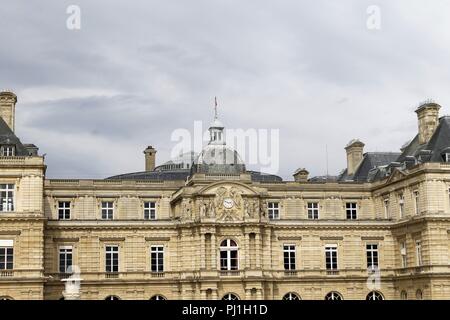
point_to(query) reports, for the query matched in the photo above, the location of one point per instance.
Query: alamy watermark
(259, 148)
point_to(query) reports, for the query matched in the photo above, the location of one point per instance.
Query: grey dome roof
(218, 159)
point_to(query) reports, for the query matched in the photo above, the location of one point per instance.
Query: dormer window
(446, 157)
(7, 150)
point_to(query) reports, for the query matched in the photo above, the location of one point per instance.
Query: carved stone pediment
(229, 202)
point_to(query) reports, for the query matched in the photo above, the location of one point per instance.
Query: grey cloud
(311, 69)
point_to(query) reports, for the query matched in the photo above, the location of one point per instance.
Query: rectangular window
(289, 256)
(6, 197)
(107, 210)
(386, 208)
(446, 157)
(157, 258)
(416, 201)
(403, 254)
(401, 203)
(6, 254)
(150, 210)
(351, 210)
(273, 210)
(63, 210)
(7, 151)
(372, 256)
(65, 258)
(331, 257)
(112, 259)
(418, 253)
(313, 210)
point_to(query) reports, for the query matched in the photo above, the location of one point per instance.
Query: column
(258, 250)
(203, 252)
(213, 252)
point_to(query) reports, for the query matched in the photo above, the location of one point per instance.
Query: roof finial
(215, 108)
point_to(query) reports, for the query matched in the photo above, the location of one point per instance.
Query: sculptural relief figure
(236, 196)
(202, 209)
(211, 210)
(247, 206)
(186, 207)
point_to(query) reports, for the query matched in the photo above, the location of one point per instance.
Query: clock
(228, 203)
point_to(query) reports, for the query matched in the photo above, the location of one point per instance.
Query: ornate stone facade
(228, 233)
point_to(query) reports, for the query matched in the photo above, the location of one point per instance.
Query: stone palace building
(205, 227)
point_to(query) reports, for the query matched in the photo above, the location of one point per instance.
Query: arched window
(6, 298)
(158, 297)
(229, 257)
(291, 296)
(374, 295)
(230, 296)
(404, 295)
(419, 294)
(333, 295)
(112, 298)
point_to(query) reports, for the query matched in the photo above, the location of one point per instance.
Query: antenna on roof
(215, 108)
(326, 157)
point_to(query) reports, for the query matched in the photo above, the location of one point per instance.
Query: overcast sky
(93, 99)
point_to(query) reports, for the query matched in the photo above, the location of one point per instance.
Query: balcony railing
(290, 273)
(157, 274)
(7, 273)
(333, 272)
(230, 273)
(111, 275)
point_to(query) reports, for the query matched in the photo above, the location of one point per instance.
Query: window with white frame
(416, 201)
(6, 254)
(65, 258)
(372, 256)
(313, 210)
(403, 254)
(63, 210)
(331, 261)
(112, 258)
(273, 209)
(6, 197)
(333, 295)
(351, 210)
(7, 150)
(157, 258)
(446, 157)
(386, 208)
(150, 210)
(418, 253)
(289, 256)
(401, 204)
(107, 210)
(229, 257)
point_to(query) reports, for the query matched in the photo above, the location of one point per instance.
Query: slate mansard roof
(378, 165)
(183, 174)
(7, 137)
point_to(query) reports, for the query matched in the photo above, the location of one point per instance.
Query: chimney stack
(301, 175)
(354, 150)
(150, 157)
(428, 120)
(8, 102)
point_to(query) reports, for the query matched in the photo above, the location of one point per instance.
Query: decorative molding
(112, 239)
(10, 233)
(66, 239)
(290, 238)
(331, 238)
(157, 238)
(372, 238)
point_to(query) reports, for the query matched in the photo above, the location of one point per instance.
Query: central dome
(217, 157)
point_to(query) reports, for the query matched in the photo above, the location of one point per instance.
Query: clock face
(228, 203)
